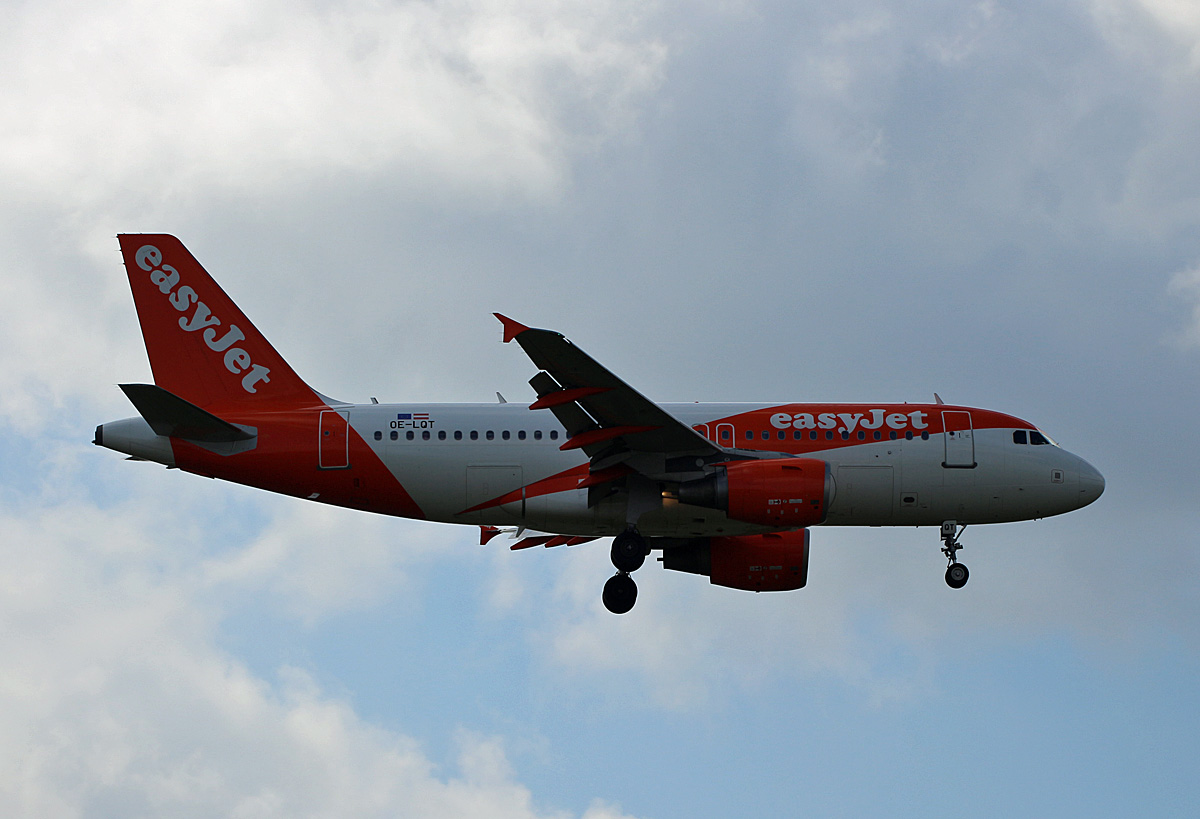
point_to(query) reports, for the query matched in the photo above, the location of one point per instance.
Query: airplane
(730, 491)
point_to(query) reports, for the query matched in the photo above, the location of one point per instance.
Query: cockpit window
(1032, 436)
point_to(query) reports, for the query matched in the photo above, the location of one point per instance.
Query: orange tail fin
(201, 346)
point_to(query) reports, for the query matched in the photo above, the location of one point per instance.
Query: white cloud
(169, 101)
(114, 699)
(1156, 44)
(958, 43)
(61, 311)
(692, 643)
(876, 614)
(160, 109)
(838, 81)
(1175, 23)
(1185, 285)
(312, 560)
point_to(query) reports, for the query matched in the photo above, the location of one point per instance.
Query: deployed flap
(170, 416)
(572, 417)
(625, 415)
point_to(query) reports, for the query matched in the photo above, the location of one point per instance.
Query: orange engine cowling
(777, 561)
(779, 492)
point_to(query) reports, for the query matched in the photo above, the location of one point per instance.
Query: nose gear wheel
(956, 573)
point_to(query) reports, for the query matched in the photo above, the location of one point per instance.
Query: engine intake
(777, 561)
(778, 492)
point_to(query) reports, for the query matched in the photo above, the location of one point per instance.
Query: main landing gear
(628, 554)
(956, 573)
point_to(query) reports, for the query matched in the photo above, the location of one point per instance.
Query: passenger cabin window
(378, 435)
(491, 436)
(537, 435)
(504, 435)
(410, 435)
(441, 434)
(458, 434)
(1019, 437)
(474, 435)
(554, 435)
(395, 436)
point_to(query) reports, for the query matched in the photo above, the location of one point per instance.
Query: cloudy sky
(721, 200)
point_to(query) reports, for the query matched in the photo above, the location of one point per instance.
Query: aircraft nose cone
(1091, 484)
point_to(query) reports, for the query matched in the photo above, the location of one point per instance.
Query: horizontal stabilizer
(171, 416)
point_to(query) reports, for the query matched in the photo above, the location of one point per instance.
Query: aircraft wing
(602, 414)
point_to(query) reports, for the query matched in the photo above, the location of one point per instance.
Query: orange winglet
(596, 436)
(554, 399)
(512, 329)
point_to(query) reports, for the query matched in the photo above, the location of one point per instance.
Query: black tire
(628, 551)
(956, 575)
(620, 593)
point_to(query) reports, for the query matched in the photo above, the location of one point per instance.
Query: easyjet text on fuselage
(850, 421)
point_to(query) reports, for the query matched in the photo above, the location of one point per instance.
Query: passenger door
(960, 440)
(333, 449)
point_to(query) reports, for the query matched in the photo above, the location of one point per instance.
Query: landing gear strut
(956, 573)
(628, 554)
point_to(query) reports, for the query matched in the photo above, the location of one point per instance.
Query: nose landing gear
(956, 573)
(628, 554)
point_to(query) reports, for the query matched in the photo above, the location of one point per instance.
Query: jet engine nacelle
(773, 562)
(780, 492)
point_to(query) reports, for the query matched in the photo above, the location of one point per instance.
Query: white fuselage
(463, 455)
